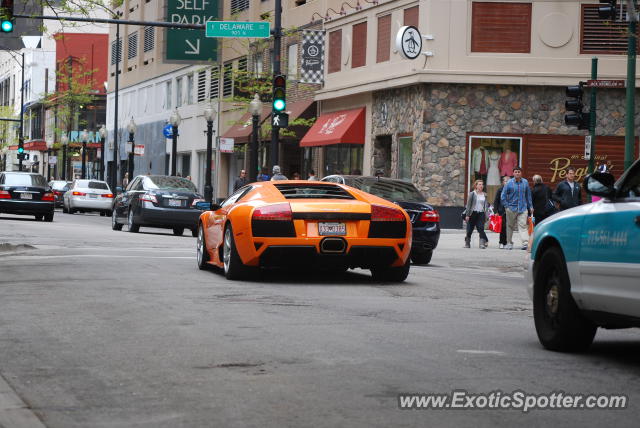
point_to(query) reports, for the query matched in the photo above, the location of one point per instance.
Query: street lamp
(174, 120)
(49, 147)
(84, 137)
(255, 108)
(65, 141)
(209, 113)
(103, 136)
(131, 127)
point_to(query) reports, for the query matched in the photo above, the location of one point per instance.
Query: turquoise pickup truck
(584, 270)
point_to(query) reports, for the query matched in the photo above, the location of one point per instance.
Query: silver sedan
(88, 195)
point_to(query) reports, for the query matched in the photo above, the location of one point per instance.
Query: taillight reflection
(430, 216)
(273, 212)
(382, 213)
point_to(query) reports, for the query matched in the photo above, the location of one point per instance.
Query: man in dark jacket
(568, 193)
(499, 209)
(541, 198)
(241, 181)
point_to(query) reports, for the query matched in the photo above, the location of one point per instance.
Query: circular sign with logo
(409, 42)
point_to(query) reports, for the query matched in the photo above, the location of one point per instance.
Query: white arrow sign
(195, 50)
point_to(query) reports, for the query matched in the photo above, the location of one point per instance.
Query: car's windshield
(169, 183)
(24, 180)
(390, 190)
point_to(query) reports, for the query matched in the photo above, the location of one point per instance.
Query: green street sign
(190, 46)
(259, 29)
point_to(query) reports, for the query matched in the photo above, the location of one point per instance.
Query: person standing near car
(277, 175)
(568, 193)
(516, 198)
(500, 210)
(541, 198)
(476, 213)
(241, 180)
(125, 180)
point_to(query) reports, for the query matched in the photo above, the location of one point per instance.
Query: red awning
(243, 128)
(35, 145)
(338, 127)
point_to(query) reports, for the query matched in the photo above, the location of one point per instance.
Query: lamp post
(65, 141)
(49, 147)
(131, 127)
(174, 120)
(84, 137)
(103, 136)
(255, 108)
(209, 113)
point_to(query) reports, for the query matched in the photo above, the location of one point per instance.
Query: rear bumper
(14, 206)
(364, 257)
(425, 238)
(168, 217)
(103, 204)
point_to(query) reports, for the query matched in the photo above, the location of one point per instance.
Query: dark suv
(27, 194)
(424, 218)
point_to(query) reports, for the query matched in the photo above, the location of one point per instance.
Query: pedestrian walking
(516, 198)
(125, 180)
(568, 193)
(312, 176)
(263, 176)
(542, 200)
(277, 175)
(241, 180)
(500, 210)
(476, 212)
(296, 176)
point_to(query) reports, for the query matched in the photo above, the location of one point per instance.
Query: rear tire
(422, 258)
(178, 231)
(133, 227)
(391, 274)
(48, 217)
(114, 223)
(64, 209)
(202, 255)
(233, 266)
(39, 217)
(102, 213)
(560, 324)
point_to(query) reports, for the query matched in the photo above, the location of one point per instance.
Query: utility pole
(21, 129)
(592, 115)
(629, 135)
(277, 36)
(114, 167)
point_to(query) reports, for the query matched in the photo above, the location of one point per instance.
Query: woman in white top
(475, 214)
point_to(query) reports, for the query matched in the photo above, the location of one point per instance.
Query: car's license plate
(26, 196)
(93, 195)
(325, 229)
(175, 202)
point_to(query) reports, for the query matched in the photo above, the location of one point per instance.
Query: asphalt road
(113, 329)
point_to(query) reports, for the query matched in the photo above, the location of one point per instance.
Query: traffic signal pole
(21, 129)
(592, 115)
(277, 35)
(629, 135)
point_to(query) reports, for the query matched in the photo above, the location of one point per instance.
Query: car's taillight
(4, 194)
(147, 197)
(107, 195)
(79, 194)
(57, 193)
(195, 201)
(382, 213)
(273, 212)
(430, 216)
(48, 197)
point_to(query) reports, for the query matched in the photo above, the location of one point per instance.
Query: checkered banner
(312, 70)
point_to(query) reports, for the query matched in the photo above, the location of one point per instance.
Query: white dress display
(493, 175)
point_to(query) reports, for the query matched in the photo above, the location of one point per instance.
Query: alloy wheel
(226, 257)
(199, 246)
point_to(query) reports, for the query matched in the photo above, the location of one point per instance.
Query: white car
(584, 271)
(88, 195)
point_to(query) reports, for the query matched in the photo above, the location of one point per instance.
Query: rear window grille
(317, 191)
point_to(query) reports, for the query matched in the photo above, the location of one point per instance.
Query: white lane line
(103, 256)
(479, 352)
(13, 411)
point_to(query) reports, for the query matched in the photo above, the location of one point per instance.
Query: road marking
(479, 352)
(13, 411)
(69, 256)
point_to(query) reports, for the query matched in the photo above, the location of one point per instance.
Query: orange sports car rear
(305, 224)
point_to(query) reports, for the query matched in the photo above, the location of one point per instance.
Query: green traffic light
(279, 105)
(7, 26)
(21, 150)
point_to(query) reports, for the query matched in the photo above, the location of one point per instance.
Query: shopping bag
(530, 223)
(495, 223)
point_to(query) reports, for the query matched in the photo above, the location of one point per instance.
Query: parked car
(157, 201)
(584, 270)
(305, 224)
(26, 193)
(425, 220)
(59, 188)
(88, 195)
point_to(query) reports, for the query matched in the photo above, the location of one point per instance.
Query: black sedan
(158, 201)
(424, 218)
(26, 193)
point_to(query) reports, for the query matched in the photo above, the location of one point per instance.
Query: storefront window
(405, 151)
(343, 159)
(491, 158)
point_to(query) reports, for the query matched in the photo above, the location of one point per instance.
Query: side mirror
(600, 184)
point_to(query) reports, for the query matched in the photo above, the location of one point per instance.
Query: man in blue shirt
(516, 198)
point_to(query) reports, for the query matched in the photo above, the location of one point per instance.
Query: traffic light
(6, 15)
(21, 154)
(279, 93)
(608, 11)
(574, 104)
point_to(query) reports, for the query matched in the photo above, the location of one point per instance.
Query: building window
(491, 158)
(132, 46)
(202, 85)
(405, 155)
(292, 61)
(384, 39)
(412, 16)
(335, 51)
(227, 77)
(190, 89)
(116, 51)
(167, 95)
(359, 45)
(343, 159)
(602, 36)
(148, 39)
(214, 87)
(239, 5)
(501, 27)
(179, 100)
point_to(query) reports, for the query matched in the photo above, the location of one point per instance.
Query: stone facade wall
(440, 115)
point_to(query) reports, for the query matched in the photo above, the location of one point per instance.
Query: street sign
(167, 131)
(190, 45)
(53, 160)
(260, 29)
(587, 147)
(138, 150)
(127, 147)
(226, 145)
(605, 83)
(281, 120)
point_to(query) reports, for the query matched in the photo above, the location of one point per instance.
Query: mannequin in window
(508, 161)
(493, 176)
(480, 163)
